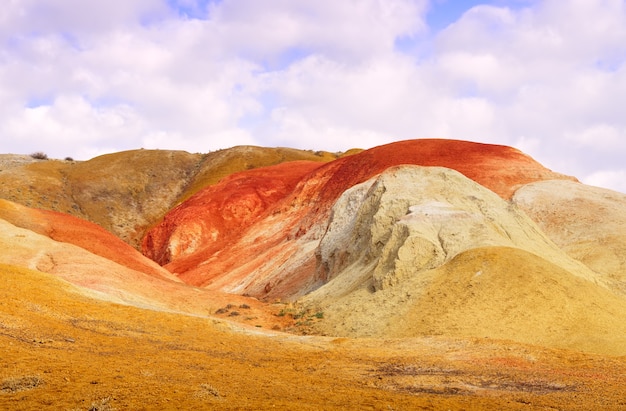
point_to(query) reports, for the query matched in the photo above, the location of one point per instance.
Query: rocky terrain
(423, 274)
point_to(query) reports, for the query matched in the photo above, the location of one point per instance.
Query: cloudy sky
(82, 78)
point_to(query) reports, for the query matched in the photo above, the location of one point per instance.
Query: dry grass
(207, 391)
(103, 404)
(17, 384)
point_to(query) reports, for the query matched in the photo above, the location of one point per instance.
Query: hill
(419, 274)
(275, 256)
(127, 192)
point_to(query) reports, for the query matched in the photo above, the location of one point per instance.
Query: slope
(218, 214)
(588, 223)
(89, 236)
(62, 350)
(126, 277)
(507, 293)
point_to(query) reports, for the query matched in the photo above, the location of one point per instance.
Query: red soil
(501, 169)
(217, 215)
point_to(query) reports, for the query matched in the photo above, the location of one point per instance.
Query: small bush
(69, 159)
(20, 384)
(101, 405)
(39, 155)
(207, 391)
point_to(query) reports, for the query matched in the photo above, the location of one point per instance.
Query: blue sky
(442, 13)
(82, 79)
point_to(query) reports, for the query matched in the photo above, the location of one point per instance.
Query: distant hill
(127, 192)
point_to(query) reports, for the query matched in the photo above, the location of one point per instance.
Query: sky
(84, 78)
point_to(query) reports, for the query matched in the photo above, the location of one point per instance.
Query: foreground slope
(63, 350)
(94, 239)
(106, 268)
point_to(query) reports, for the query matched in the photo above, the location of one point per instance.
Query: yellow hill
(507, 293)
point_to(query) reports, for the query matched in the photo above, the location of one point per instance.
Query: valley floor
(64, 351)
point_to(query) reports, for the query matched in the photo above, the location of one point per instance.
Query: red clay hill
(256, 231)
(65, 228)
(218, 214)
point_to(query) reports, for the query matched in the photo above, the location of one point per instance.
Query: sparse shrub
(207, 391)
(29, 382)
(101, 405)
(39, 155)
(69, 159)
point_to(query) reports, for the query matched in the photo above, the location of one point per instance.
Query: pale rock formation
(410, 219)
(426, 251)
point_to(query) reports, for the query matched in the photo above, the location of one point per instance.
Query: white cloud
(614, 179)
(601, 137)
(343, 30)
(546, 76)
(69, 122)
(74, 18)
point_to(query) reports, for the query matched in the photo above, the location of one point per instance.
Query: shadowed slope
(126, 192)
